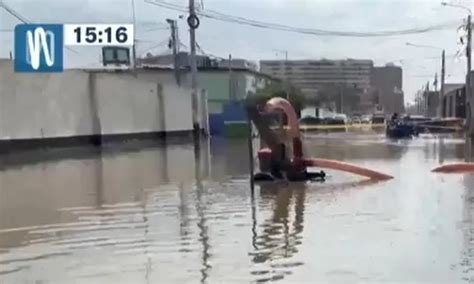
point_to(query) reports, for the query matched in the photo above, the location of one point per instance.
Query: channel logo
(39, 48)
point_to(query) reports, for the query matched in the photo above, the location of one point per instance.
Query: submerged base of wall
(7, 146)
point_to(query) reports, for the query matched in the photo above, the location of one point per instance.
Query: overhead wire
(24, 20)
(161, 43)
(156, 29)
(215, 15)
(208, 54)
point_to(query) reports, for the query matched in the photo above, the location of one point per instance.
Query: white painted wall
(43, 105)
(76, 103)
(168, 80)
(178, 110)
(127, 105)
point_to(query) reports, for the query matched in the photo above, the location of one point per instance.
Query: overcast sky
(221, 39)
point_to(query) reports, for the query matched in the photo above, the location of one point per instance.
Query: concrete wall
(76, 103)
(128, 104)
(43, 105)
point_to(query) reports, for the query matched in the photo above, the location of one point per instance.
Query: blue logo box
(39, 48)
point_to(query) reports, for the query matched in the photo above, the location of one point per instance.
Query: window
(112, 55)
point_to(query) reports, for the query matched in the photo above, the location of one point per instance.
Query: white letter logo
(38, 41)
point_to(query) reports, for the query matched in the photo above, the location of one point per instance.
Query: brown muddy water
(140, 215)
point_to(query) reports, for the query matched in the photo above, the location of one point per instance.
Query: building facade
(432, 102)
(224, 92)
(386, 81)
(182, 59)
(351, 85)
(454, 100)
(238, 63)
(312, 76)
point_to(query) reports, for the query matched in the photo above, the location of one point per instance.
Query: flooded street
(141, 216)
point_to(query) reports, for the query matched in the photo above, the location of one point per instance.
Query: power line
(156, 29)
(182, 44)
(208, 54)
(146, 41)
(23, 19)
(161, 43)
(320, 32)
(13, 13)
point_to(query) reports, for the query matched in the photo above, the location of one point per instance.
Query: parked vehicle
(356, 120)
(341, 118)
(311, 120)
(378, 119)
(366, 119)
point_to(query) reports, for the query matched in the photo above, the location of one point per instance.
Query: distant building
(387, 83)
(432, 100)
(238, 63)
(202, 61)
(312, 76)
(182, 58)
(454, 100)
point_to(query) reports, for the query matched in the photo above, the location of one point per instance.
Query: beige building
(314, 75)
(351, 85)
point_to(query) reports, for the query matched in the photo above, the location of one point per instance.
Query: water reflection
(202, 223)
(278, 227)
(229, 158)
(341, 147)
(281, 233)
(158, 215)
(467, 255)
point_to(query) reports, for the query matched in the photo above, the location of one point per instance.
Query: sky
(221, 39)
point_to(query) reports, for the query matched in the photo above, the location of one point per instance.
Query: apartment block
(314, 75)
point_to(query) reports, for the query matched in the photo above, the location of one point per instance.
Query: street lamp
(439, 109)
(457, 6)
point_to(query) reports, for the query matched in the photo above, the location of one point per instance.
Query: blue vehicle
(401, 128)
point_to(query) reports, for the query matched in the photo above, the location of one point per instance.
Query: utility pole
(469, 109)
(134, 47)
(231, 95)
(173, 27)
(427, 98)
(417, 102)
(441, 91)
(193, 23)
(287, 80)
(341, 98)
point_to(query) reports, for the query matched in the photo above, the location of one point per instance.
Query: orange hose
(341, 166)
(454, 168)
(281, 104)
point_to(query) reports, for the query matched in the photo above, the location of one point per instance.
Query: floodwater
(140, 215)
